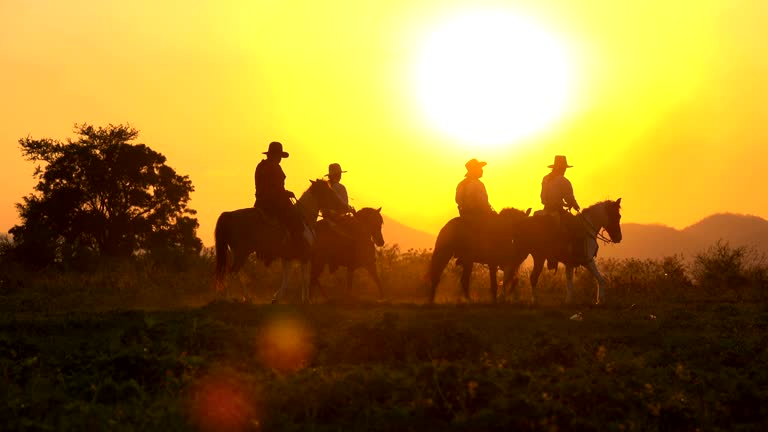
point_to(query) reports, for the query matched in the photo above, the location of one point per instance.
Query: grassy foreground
(380, 367)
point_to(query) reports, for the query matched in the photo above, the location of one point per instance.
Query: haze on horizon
(667, 108)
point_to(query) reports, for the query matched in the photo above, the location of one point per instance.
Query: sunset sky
(664, 104)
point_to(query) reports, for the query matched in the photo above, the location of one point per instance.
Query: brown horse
(538, 236)
(487, 241)
(249, 230)
(350, 242)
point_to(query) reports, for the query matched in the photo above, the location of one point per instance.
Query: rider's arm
(567, 190)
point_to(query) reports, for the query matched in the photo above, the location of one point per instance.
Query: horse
(250, 230)
(487, 242)
(538, 236)
(349, 242)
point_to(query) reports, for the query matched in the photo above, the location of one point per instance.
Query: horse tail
(221, 237)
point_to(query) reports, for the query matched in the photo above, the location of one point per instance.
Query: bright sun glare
(492, 77)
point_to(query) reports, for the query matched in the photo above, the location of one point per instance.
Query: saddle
(277, 225)
(570, 240)
(477, 236)
(270, 220)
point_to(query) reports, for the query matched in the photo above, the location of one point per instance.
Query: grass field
(381, 367)
(136, 346)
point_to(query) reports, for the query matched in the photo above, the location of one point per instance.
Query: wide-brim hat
(560, 162)
(474, 164)
(276, 148)
(334, 168)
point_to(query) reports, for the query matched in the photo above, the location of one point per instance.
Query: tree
(101, 195)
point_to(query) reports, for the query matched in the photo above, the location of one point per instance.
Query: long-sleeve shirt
(471, 195)
(269, 179)
(557, 192)
(341, 191)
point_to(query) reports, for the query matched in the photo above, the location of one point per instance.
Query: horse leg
(511, 280)
(592, 266)
(492, 269)
(315, 269)
(238, 260)
(304, 266)
(375, 276)
(466, 272)
(440, 258)
(286, 271)
(569, 283)
(538, 266)
(348, 280)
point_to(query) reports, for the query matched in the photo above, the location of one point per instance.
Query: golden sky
(667, 108)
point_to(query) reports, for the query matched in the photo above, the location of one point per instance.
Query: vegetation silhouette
(351, 242)
(539, 236)
(486, 240)
(250, 231)
(101, 196)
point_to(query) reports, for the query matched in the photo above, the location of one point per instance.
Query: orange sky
(669, 107)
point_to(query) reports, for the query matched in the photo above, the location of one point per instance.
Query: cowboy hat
(276, 148)
(560, 162)
(334, 168)
(474, 164)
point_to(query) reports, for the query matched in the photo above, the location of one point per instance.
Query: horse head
(372, 221)
(325, 195)
(607, 214)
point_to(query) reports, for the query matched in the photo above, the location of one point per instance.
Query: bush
(723, 268)
(648, 278)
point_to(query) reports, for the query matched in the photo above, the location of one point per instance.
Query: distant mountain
(639, 240)
(658, 241)
(405, 236)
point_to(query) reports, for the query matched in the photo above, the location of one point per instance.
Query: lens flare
(220, 402)
(285, 344)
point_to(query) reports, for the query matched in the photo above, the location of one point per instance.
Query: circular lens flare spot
(220, 402)
(285, 344)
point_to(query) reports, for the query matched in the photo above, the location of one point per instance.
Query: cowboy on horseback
(474, 208)
(471, 196)
(557, 197)
(271, 196)
(334, 179)
(340, 219)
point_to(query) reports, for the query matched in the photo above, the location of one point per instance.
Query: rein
(308, 204)
(594, 232)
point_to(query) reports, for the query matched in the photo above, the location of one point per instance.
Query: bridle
(594, 232)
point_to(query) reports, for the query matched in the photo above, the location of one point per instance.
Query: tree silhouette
(101, 195)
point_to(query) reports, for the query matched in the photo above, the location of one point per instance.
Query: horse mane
(511, 212)
(318, 180)
(601, 203)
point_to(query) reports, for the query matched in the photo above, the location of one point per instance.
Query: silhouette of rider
(334, 179)
(557, 197)
(271, 196)
(471, 196)
(474, 209)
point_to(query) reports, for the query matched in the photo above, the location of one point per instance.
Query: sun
(491, 77)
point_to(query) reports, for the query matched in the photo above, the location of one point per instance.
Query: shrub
(721, 267)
